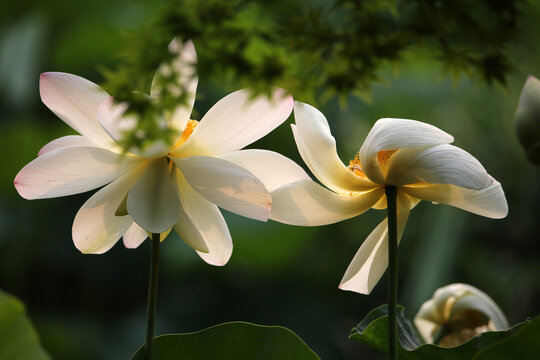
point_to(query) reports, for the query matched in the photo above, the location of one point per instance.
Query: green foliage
(232, 341)
(520, 341)
(18, 339)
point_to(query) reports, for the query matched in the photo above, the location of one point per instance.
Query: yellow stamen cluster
(384, 155)
(186, 133)
(355, 166)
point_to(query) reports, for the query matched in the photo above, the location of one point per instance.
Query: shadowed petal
(306, 203)
(153, 201)
(134, 236)
(371, 260)
(64, 141)
(71, 170)
(227, 185)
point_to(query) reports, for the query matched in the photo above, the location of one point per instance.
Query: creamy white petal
(153, 201)
(183, 68)
(75, 100)
(202, 226)
(306, 203)
(370, 262)
(439, 164)
(72, 170)
(134, 236)
(489, 202)
(227, 185)
(235, 121)
(317, 147)
(64, 141)
(273, 169)
(96, 228)
(393, 134)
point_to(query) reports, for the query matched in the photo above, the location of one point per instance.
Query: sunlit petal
(306, 203)
(153, 201)
(64, 141)
(71, 170)
(134, 236)
(371, 260)
(273, 169)
(227, 185)
(392, 134)
(235, 121)
(75, 100)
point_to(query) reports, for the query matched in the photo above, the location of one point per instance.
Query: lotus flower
(162, 186)
(413, 156)
(456, 313)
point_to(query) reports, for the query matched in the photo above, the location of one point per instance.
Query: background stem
(391, 194)
(152, 295)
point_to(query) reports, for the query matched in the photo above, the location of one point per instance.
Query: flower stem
(152, 295)
(391, 194)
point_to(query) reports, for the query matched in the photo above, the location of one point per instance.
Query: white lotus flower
(456, 313)
(413, 156)
(162, 187)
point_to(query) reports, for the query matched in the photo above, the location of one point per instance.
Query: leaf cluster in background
(316, 51)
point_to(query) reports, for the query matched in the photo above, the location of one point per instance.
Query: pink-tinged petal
(134, 236)
(71, 170)
(227, 185)
(235, 121)
(69, 140)
(153, 201)
(183, 66)
(202, 226)
(393, 134)
(112, 119)
(489, 202)
(75, 100)
(306, 203)
(439, 164)
(371, 260)
(273, 169)
(317, 147)
(96, 228)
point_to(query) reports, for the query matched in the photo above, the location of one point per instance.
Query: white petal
(71, 170)
(134, 236)
(186, 81)
(75, 100)
(69, 140)
(489, 202)
(393, 134)
(235, 121)
(227, 185)
(306, 203)
(96, 228)
(317, 147)
(153, 201)
(370, 262)
(439, 164)
(202, 226)
(273, 169)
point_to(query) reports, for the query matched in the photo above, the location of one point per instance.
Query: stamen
(384, 155)
(186, 133)
(355, 166)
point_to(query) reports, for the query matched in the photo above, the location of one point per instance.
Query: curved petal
(96, 228)
(306, 203)
(439, 164)
(273, 169)
(134, 236)
(370, 262)
(75, 100)
(153, 201)
(393, 134)
(64, 141)
(202, 226)
(235, 121)
(183, 69)
(227, 185)
(489, 202)
(317, 147)
(71, 170)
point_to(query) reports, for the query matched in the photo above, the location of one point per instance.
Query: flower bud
(527, 119)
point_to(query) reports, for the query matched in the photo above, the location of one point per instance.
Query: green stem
(391, 194)
(152, 295)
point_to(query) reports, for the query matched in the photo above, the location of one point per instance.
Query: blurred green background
(93, 306)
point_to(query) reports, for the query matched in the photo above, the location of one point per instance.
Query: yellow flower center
(188, 130)
(355, 167)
